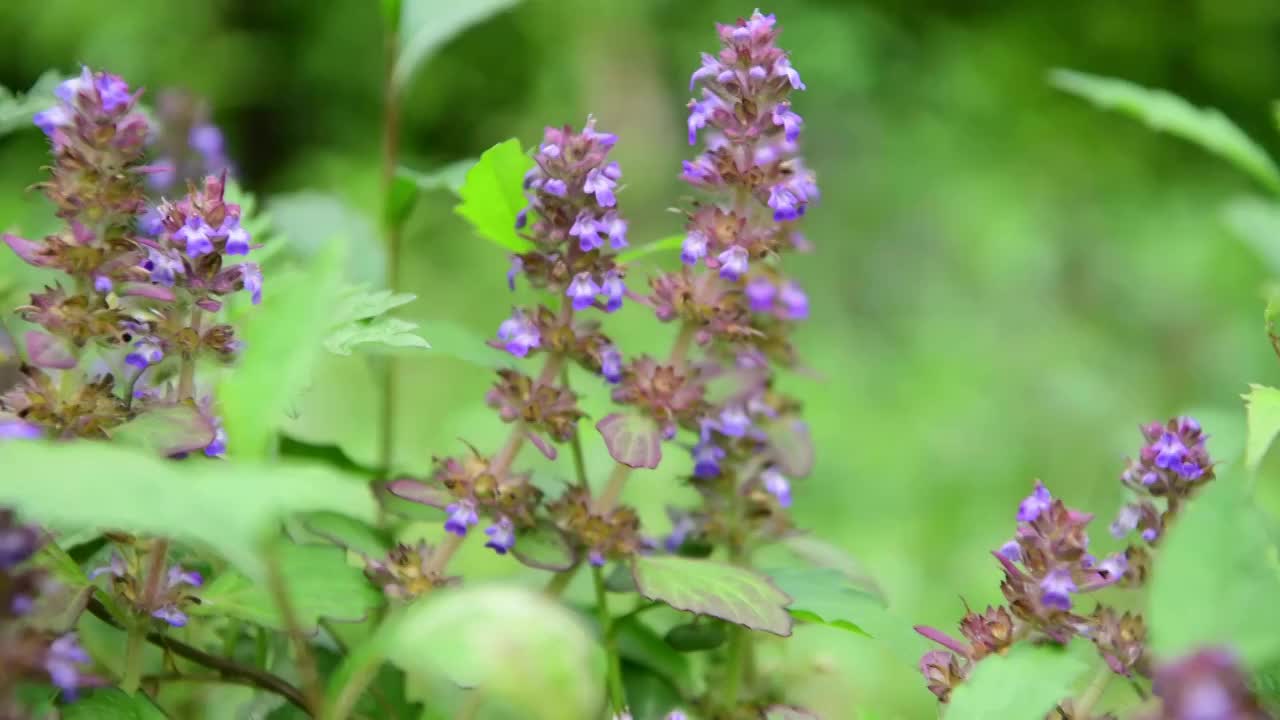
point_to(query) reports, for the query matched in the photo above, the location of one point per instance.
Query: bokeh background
(1005, 283)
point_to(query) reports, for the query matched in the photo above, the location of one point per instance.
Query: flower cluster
(189, 146)
(28, 654)
(144, 287)
(165, 597)
(406, 572)
(1172, 466)
(1207, 685)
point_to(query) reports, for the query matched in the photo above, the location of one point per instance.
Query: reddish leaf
(419, 492)
(632, 440)
(47, 351)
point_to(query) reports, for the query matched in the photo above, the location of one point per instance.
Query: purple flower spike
(146, 352)
(613, 290)
(600, 184)
(1037, 502)
(582, 291)
(195, 235)
(706, 460)
(502, 536)
(760, 294)
(170, 614)
(61, 661)
(694, 247)
(777, 485)
(611, 365)
(733, 263)
(1056, 588)
(795, 301)
(519, 334)
(462, 515)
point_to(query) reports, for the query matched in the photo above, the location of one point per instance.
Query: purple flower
(17, 544)
(600, 184)
(151, 223)
(15, 429)
(611, 364)
(522, 218)
(734, 421)
(207, 140)
(733, 263)
(587, 230)
(115, 567)
(616, 228)
(61, 661)
(163, 267)
(50, 120)
(251, 276)
(517, 267)
(1011, 551)
(462, 515)
(613, 289)
(1170, 452)
(1037, 502)
(102, 284)
(502, 536)
(682, 525)
(519, 334)
(195, 235)
(177, 577)
(699, 171)
(146, 352)
(795, 301)
(694, 247)
(582, 290)
(1126, 521)
(1056, 589)
(218, 447)
(706, 460)
(237, 237)
(676, 715)
(760, 294)
(170, 614)
(782, 68)
(596, 558)
(555, 186)
(1150, 534)
(1113, 568)
(699, 113)
(113, 92)
(787, 120)
(777, 485)
(710, 68)
(785, 204)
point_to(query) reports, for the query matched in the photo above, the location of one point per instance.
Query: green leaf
(1026, 683)
(650, 696)
(380, 335)
(1214, 573)
(710, 588)
(544, 547)
(310, 221)
(228, 506)
(459, 342)
(282, 338)
(1262, 408)
(672, 242)
(696, 637)
(632, 440)
(166, 430)
(348, 533)
(514, 645)
(447, 177)
(822, 554)
(824, 596)
(1257, 223)
(320, 582)
(492, 196)
(426, 25)
(112, 704)
(340, 406)
(17, 109)
(1166, 112)
(637, 643)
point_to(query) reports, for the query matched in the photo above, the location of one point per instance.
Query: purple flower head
(1169, 451)
(170, 614)
(1037, 502)
(237, 237)
(761, 293)
(502, 536)
(777, 485)
(146, 352)
(517, 267)
(1056, 588)
(462, 515)
(251, 276)
(596, 558)
(795, 301)
(555, 186)
(694, 247)
(611, 364)
(50, 120)
(1011, 551)
(582, 291)
(196, 236)
(1207, 685)
(786, 205)
(587, 230)
(706, 460)
(15, 429)
(613, 290)
(61, 661)
(113, 91)
(788, 121)
(600, 184)
(733, 263)
(616, 228)
(1126, 521)
(519, 334)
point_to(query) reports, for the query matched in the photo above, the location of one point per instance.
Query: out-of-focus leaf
(492, 195)
(1166, 112)
(458, 342)
(166, 430)
(667, 243)
(46, 351)
(516, 646)
(1216, 557)
(1257, 222)
(420, 492)
(447, 177)
(711, 588)
(791, 446)
(348, 533)
(696, 637)
(340, 407)
(310, 221)
(544, 547)
(283, 338)
(1262, 406)
(17, 109)
(426, 25)
(650, 696)
(112, 704)
(823, 554)
(379, 335)
(638, 643)
(824, 596)
(1026, 683)
(359, 302)
(632, 440)
(320, 583)
(227, 506)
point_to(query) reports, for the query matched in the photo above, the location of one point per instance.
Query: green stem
(311, 686)
(1083, 706)
(739, 641)
(187, 373)
(133, 659)
(390, 158)
(617, 693)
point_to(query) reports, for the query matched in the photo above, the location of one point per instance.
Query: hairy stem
(133, 659)
(187, 373)
(312, 687)
(617, 693)
(738, 643)
(390, 158)
(613, 489)
(1083, 706)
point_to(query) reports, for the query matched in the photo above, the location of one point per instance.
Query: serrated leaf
(340, 407)
(1026, 683)
(1216, 556)
(283, 338)
(359, 302)
(18, 109)
(228, 506)
(320, 583)
(492, 195)
(426, 25)
(825, 596)
(309, 221)
(544, 547)
(1257, 223)
(696, 637)
(710, 588)
(673, 242)
(1166, 112)
(166, 430)
(516, 646)
(447, 177)
(1262, 408)
(633, 440)
(112, 704)
(348, 533)
(380, 335)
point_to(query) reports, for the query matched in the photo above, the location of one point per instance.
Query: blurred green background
(1006, 281)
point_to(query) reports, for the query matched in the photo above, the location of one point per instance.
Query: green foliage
(1257, 222)
(310, 221)
(426, 25)
(17, 109)
(1262, 406)
(340, 407)
(544, 546)
(166, 431)
(711, 588)
(282, 339)
(359, 322)
(1166, 112)
(516, 646)
(639, 645)
(822, 554)
(1023, 685)
(320, 583)
(112, 704)
(696, 636)
(408, 185)
(825, 596)
(1215, 565)
(649, 695)
(492, 197)
(672, 242)
(227, 506)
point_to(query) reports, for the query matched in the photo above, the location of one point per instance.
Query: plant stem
(133, 659)
(314, 691)
(158, 558)
(228, 669)
(390, 158)
(1083, 706)
(187, 373)
(617, 693)
(613, 490)
(738, 640)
